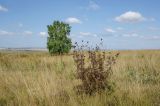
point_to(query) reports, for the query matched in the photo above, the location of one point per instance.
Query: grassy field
(38, 79)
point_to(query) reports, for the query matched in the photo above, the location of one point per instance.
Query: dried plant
(94, 68)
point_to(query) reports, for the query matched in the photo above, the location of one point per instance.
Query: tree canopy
(58, 41)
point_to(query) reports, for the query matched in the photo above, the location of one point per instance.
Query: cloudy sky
(123, 24)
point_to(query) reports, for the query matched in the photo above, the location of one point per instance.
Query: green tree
(58, 41)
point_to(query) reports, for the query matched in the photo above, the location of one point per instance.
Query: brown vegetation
(38, 79)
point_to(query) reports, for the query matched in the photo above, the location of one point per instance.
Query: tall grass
(37, 79)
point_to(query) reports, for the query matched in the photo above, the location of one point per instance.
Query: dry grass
(37, 79)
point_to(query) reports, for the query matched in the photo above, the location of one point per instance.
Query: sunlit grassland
(38, 79)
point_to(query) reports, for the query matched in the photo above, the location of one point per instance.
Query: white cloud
(43, 34)
(82, 34)
(27, 32)
(93, 6)
(20, 25)
(136, 35)
(7, 33)
(130, 35)
(95, 35)
(85, 33)
(2, 8)
(152, 19)
(3, 32)
(110, 30)
(130, 17)
(73, 20)
(155, 37)
(154, 28)
(120, 28)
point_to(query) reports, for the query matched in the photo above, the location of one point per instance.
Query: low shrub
(94, 68)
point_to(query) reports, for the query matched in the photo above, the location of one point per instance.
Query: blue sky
(123, 24)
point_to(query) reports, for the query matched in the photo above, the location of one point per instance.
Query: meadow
(38, 79)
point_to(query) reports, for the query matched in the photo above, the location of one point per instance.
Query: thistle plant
(93, 67)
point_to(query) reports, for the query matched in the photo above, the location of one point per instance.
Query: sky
(122, 24)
